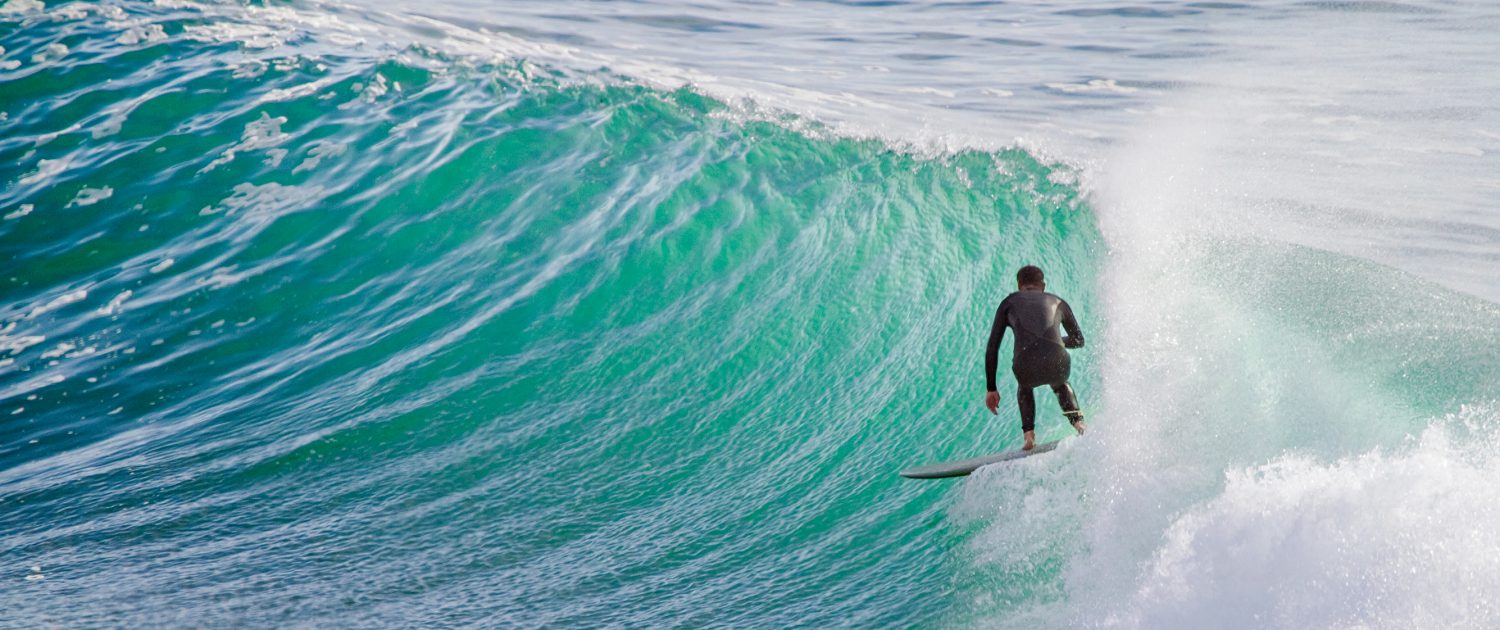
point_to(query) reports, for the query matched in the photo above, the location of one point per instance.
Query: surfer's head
(1030, 277)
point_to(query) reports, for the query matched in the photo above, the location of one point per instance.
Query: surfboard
(963, 467)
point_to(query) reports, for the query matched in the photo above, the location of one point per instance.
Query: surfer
(1041, 356)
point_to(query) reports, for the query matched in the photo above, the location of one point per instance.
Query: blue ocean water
(581, 314)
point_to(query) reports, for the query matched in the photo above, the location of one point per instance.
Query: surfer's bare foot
(1030, 441)
(1079, 426)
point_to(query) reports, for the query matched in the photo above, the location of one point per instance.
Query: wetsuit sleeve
(992, 349)
(1075, 334)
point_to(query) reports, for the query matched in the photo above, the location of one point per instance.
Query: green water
(480, 346)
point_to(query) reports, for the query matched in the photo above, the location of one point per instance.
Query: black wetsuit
(1041, 357)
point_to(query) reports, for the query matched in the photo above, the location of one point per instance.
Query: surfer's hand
(992, 400)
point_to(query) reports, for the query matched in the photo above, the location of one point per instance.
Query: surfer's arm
(992, 348)
(1075, 334)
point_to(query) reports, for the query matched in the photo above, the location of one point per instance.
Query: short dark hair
(1030, 274)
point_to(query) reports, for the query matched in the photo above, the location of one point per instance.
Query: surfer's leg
(1069, 404)
(1033, 367)
(1027, 401)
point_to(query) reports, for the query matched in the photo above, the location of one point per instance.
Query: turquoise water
(304, 328)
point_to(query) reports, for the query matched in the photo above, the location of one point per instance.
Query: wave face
(304, 335)
(317, 317)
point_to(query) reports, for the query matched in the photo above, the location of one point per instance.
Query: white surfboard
(963, 467)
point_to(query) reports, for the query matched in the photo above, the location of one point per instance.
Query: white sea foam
(369, 93)
(17, 344)
(223, 277)
(81, 10)
(45, 138)
(265, 200)
(46, 170)
(1399, 540)
(32, 384)
(22, 7)
(49, 53)
(91, 196)
(316, 153)
(261, 134)
(147, 33)
(298, 91)
(250, 69)
(59, 350)
(113, 307)
(71, 297)
(252, 36)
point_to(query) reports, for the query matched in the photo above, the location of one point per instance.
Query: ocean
(586, 314)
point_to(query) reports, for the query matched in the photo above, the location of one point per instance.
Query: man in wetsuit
(1041, 357)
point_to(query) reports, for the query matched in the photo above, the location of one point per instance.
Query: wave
(310, 324)
(301, 333)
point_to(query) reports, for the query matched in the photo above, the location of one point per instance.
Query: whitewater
(581, 314)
